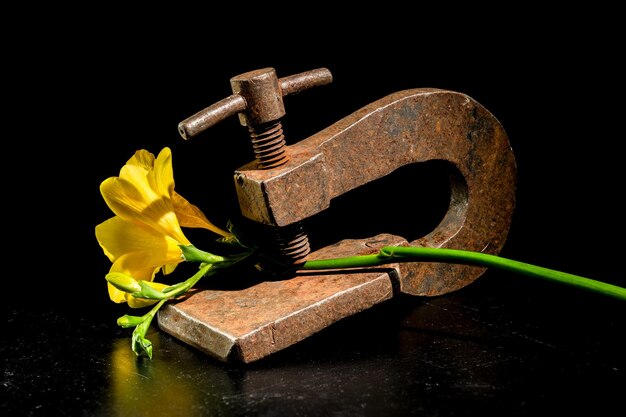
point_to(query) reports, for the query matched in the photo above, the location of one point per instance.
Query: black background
(89, 96)
(554, 86)
(85, 97)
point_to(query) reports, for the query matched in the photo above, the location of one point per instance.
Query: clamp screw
(258, 100)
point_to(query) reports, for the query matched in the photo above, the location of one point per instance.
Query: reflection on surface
(173, 381)
(348, 361)
(406, 356)
(409, 354)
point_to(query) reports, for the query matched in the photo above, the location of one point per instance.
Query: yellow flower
(145, 234)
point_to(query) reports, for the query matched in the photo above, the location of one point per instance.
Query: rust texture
(213, 114)
(406, 127)
(249, 324)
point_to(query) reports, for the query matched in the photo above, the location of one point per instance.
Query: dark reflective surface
(502, 346)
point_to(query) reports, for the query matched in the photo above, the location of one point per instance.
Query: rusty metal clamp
(287, 184)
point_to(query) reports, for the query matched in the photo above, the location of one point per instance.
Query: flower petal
(131, 201)
(119, 237)
(135, 265)
(139, 178)
(164, 173)
(190, 215)
(142, 158)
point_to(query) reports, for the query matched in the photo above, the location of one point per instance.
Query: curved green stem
(392, 254)
(140, 345)
(182, 287)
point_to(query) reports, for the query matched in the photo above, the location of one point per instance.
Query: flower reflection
(181, 382)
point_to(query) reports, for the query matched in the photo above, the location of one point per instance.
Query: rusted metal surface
(213, 114)
(249, 324)
(407, 127)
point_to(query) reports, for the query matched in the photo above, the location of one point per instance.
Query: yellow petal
(169, 268)
(117, 296)
(190, 215)
(142, 158)
(164, 173)
(119, 237)
(159, 172)
(137, 265)
(122, 197)
(131, 202)
(139, 302)
(139, 178)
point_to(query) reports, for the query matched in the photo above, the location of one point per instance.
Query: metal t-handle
(258, 98)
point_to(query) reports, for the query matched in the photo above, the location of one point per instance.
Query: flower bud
(127, 321)
(123, 282)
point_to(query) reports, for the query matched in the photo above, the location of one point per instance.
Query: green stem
(182, 287)
(392, 254)
(150, 315)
